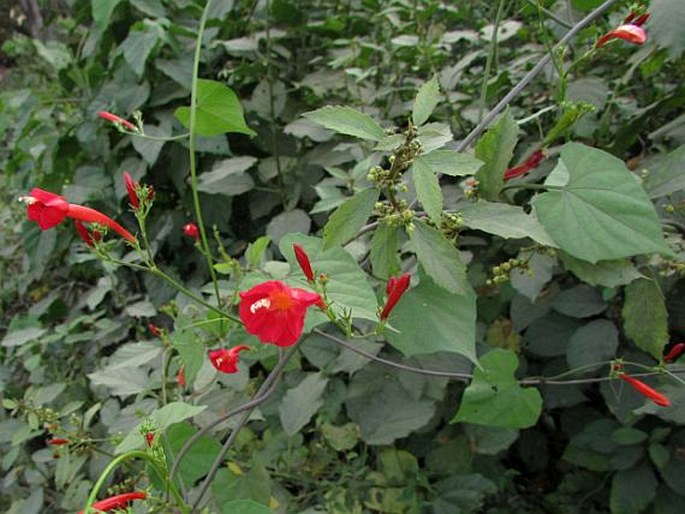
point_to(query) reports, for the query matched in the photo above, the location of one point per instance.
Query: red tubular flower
(226, 361)
(181, 379)
(399, 286)
(646, 390)
(304, 262)
(674, 352)
(154, 330)
(275, 312)
(57, 441)
(630, 32)
(532, 162)
(48, 210)
(88, 237)
(117, 120)
(191, 230)
(390, 285)
(119, 501)
(131, 187)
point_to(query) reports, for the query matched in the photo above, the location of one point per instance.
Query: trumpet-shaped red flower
(629, 32)
(48, 210)
(117, 120)
(532, 162)
(225, 360)
(646, 390)
(304, 262)
(191, 230)
(119, 501)
(395, 288)
(275, 312)
(674, 352)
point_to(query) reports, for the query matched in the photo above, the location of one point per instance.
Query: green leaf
(24, 335)
(347, 287)
(665, 174)
(301, 402)
(665, 26)
(427, 189)
(245, 507)
(255, 250)
(601, 213)
(496, 148)
(149, 148)
(632, 490)
(449, 318)
(645, 318)
(612, 273)
(383, 408)
(190, 351)
(197, 461)
(218, 111)
(227, 177)
(141, 40)
(341, 438)
(592, 344)
(102, 12)
(507, 221)
(449, 162)
(346, 120)
(426, 100)
(347, 219)
(384, 258)
(440, 258)
(628, 436)
(495, 399)
(581, 301)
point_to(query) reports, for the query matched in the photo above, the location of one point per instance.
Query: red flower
(646, 390)
(634, 18)
(226, 361)
(181, 379)
(117, 120)
(57, 441)
(675, 352)
(88, 237)
(131, 187)
(191, 230)
(119, 501)
(532, 162)
(303, 261)
(630, 32)
(149, 438)
(48, 210)
(395, 289)
(154, 330)
(275, 312)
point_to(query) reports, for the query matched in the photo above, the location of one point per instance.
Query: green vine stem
(135, 454)
(191, 148)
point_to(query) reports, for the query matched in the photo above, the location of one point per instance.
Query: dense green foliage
(335, 125)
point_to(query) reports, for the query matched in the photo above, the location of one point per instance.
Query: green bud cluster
(502, 272)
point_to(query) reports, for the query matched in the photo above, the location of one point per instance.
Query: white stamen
(28, 200)
(264, 303)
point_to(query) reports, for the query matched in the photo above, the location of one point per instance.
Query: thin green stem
(550, 14)
(159, 138)
(490, 58)
(191, 148)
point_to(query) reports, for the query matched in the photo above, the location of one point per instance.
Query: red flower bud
(88, 237)
(150, 438)
(400, 285)
(117, 120)
(303, 261)
(675, 352)
(226, 361)
(532, 162)
(191, 230)
(131, 188)
(181, 379)
(629, 32)
(119, 501)
(646, 390)
(57, 441)
(154, 330)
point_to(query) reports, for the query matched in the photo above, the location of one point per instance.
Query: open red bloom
(225, 360)
(629, 32)
(117, 120)
(395, 289)
(48, 210)
(532, 162)
(119, 501)
(646, 390)
(191, 230)
(275, 312)
(304, 262)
